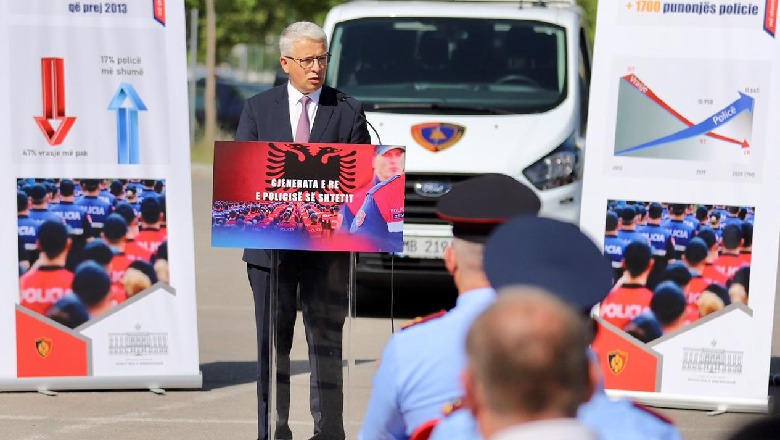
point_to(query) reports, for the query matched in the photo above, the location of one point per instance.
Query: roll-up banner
(680, 189)
(98, 267)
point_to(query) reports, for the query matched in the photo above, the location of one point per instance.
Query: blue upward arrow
(128, 149)
(743, 103)
(126, 92)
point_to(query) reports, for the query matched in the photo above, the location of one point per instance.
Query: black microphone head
(341, 97)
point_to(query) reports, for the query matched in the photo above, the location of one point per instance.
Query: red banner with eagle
(308, 196)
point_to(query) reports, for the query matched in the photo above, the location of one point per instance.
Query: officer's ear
(450, 262)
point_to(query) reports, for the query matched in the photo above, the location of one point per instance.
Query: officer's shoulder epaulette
(422, 319)
(653, 413)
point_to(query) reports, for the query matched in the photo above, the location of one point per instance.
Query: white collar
(295, 94)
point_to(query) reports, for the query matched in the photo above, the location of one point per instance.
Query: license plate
(425, 247)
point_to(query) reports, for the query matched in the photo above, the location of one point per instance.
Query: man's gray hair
(298, 31)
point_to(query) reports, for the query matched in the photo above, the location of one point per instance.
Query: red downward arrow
(53, 96)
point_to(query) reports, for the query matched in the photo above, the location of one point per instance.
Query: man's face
(305, 80)
(389, 164)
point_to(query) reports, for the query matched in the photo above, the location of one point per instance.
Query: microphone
(342, 97)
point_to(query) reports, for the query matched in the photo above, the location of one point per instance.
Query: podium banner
(326, 197)
(680, 158)
(100, 291)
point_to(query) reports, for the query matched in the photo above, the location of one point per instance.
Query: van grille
(420, 209)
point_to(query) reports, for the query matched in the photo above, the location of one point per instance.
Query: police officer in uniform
(556, 256)
(613, 245)
(680, 231)
(420, 366)
(26, 230)
(381, 216)
(75, 216)
(97, 209)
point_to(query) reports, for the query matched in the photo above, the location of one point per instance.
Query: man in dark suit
(282, 114)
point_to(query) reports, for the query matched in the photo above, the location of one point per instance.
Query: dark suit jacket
(266, 117)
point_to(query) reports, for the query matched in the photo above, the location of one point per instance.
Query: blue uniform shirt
(75, 216)
(106, 196)
(97, 209)
(27, 229)
(613, 247)
(610, 419)
(621, 419)
(681, 232)
(38, 216)
(419, 371)
(630, 235)
(658, 237)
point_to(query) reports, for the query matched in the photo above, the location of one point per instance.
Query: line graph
(680, 114)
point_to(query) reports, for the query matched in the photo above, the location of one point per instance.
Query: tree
(590, 7)
(250, 21)
(210, 93)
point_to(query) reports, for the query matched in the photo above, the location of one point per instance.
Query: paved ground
(225, 408)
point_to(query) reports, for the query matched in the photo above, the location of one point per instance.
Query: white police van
(468, 87)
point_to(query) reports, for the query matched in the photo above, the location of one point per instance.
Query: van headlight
(560, 167)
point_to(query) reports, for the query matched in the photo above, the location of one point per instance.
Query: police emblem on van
(437, 136)
(432, 188)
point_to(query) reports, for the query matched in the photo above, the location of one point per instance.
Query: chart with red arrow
(676, 111)
(54, 122)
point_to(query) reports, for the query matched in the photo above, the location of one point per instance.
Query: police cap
(655, 210)
(21, 201)
(668, 302)
(38, 192)
(612, 221)
(91, 283)
(477, 205)
(97, 250)
(382, 149)
(696, 251)
(116, 187)
(628, 214)
(708, 235)
(678, 273)
(69, 311)
(90, 184)
(547, 253)
(645, 327)
(126, 211)
(115, 227)
(67, 187)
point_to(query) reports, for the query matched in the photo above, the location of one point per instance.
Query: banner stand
(42, 384)
(689, 401)
(350, 420)
(274, 292)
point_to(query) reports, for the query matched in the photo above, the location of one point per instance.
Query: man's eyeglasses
(307, 63)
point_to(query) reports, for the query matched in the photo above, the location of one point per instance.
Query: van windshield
(450, 65)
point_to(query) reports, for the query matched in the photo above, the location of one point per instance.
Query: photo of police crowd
(674, 263)
(87, 245)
